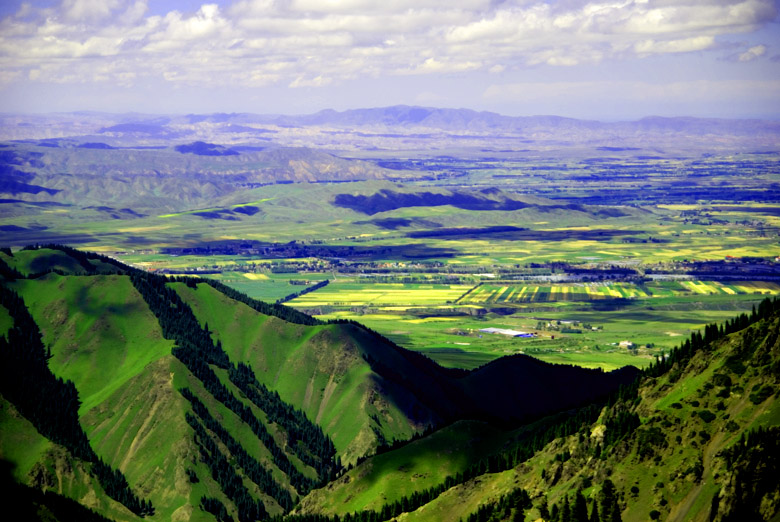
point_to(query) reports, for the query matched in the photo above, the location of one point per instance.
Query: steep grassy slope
(105, 339)
(32, 459)
(391, 476)
(99, 329)
(685, 459)
(318, 369)
(175, 406)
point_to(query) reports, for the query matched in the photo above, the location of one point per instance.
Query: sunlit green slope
(193, 405)
(683, 445)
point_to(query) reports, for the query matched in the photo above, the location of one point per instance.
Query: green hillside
(100, 332)
(191, 404)
(104, 338)
(204, 404)
(695, 439)
(315, 368)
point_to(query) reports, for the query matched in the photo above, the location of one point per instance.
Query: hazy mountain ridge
(365, 128)
(165, 179)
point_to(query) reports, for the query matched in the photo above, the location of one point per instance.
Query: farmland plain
(430, 246)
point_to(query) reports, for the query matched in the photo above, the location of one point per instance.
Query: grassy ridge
(416, 466)
(105, 338)
(99, 329)
(34, 261)
(674, 461)
(140, 428)
(339, 392)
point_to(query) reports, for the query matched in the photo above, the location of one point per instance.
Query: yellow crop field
(399, 297)
(761, 287)
(255, 277)
(381, 294)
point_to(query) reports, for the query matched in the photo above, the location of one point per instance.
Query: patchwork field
(497, 294)
(574, 323)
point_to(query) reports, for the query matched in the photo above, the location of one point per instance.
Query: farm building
(511, 333)
(627, 345)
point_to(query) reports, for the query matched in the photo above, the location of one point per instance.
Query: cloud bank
(314, 43)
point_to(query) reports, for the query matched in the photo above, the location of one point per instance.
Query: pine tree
(580, 508)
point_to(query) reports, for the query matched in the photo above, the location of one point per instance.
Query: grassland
(414, 467)
(426, 273)
(580, 323)
(94, 322)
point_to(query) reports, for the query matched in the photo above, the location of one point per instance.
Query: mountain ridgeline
(137, 395)
(246, 405)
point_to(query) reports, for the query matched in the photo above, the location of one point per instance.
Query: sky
(599, 59)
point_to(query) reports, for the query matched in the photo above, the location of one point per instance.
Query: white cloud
(91, 10)
(319, 42)
(318, 81)
(685, 45)
(752, 53)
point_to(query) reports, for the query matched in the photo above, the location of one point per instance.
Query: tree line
(679, 356)
(253, 469)
(604, 508)
(195, 348)
(510, 507)
(224, 474)
(304, 438)
(306, 290)
(50, 403)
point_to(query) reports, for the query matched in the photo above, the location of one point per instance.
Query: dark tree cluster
(195, 348)
(214, 386)
(216, 508)
(176, 319)
(619, 424)
(8, 272)
(252, 468)
(306, 439)
(224, 474)
(50, 403)
(605, 508)
(306, 290)
(753, 461)
(115, 485)
(510, 507)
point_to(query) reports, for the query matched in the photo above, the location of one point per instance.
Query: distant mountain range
(386, 127)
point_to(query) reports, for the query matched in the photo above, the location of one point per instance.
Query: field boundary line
(467, 292)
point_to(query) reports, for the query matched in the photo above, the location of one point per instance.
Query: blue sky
(599, 59)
